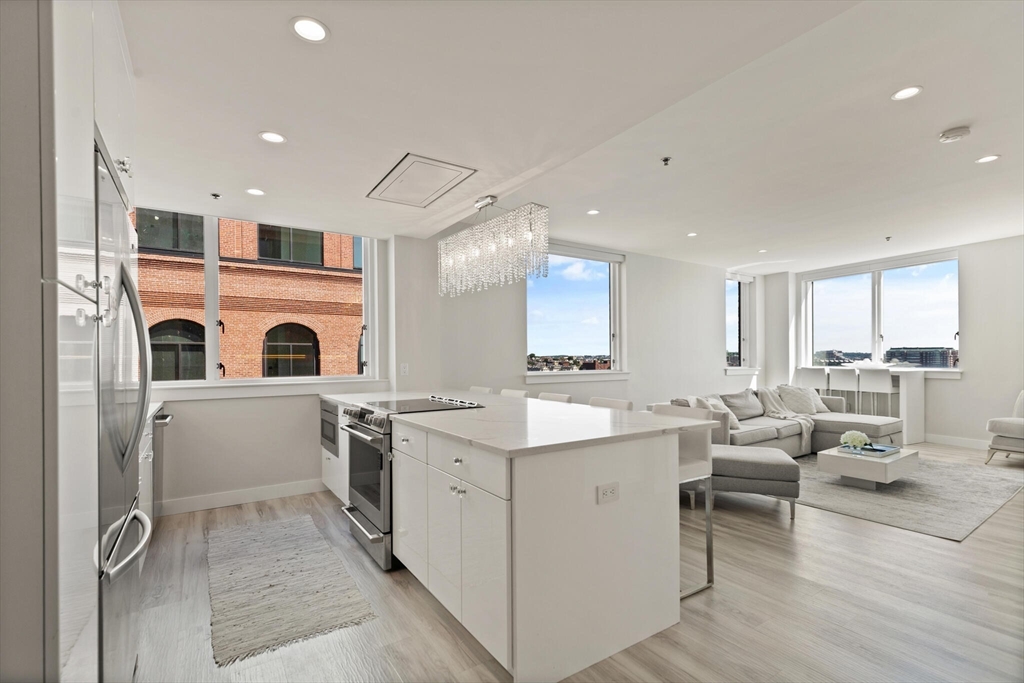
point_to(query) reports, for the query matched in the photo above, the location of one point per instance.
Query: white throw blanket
(774, 407)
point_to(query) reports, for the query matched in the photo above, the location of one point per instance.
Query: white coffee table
(866, 472)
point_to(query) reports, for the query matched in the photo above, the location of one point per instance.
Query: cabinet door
(328, 467)
(486, 521)
(114, 86)
(409, 514)
(444, 540)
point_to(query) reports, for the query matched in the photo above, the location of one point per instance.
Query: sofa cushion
(784, 427)
(714, 402)
(753, 463)
(744, 404)
(872, 425)
(751, 434)
(1007, 426)
(797, 399)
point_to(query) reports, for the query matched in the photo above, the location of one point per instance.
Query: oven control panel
(367, 417)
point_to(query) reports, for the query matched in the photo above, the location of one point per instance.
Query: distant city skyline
(568, 311)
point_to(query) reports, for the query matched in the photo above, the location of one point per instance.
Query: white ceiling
(513, 89)
(802, 152)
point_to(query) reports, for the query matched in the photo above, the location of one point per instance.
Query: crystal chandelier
(501, 250)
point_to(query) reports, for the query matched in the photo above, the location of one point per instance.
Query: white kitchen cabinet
(114, 89)
(409, 514)
(329, 469)
(444, 540)
(486, 570)
(334, 468)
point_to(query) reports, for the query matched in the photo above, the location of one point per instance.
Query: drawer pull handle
(453, 489)
(461, 492)
(405, 439)
(457, 461)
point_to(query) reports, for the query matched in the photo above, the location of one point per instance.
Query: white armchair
(1007, 432)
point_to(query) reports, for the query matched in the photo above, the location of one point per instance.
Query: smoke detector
(954, 134)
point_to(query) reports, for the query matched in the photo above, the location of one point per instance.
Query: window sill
(742, 371)
(576, 376)
(261, 388)
(932, 373)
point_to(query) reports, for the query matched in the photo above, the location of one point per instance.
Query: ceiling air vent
(418, 181)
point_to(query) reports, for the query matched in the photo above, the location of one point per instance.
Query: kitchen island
(550, 530)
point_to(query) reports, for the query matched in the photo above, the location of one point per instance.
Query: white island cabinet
(499, 512)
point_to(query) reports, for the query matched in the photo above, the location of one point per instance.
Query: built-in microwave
(329, 426)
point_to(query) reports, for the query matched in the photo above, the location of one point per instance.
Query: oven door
(369, 467)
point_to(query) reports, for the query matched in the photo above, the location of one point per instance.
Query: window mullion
(876, 316)
(211, 294)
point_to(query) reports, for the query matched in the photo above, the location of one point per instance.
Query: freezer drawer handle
(134, 555)
(162, 420)
(373, 538)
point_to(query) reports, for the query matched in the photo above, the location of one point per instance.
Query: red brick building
(291, 301)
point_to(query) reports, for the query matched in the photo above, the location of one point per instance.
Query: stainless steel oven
(329, 426)
(369, 488)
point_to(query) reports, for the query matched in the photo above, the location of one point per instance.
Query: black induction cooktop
(422, 405)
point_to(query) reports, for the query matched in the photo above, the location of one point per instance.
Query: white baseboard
(209, 501)
(979, 444)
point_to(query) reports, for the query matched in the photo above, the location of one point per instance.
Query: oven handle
(375, 441)
(373, 538)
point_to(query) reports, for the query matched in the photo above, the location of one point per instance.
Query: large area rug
(275, 583)
(941, 499)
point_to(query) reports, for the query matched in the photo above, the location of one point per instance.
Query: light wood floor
(823, 598)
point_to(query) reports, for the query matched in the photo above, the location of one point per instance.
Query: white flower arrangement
(854, 439)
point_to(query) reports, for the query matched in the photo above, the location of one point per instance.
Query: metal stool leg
(709, 540)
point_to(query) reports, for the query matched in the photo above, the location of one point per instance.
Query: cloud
(579, 271)
(592, 320)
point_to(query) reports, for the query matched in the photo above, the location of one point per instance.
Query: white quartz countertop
(515, 427)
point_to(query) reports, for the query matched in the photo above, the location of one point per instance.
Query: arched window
(179, 350)
(291, 350)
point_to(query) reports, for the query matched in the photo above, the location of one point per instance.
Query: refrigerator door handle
(147, 533)
(145, 362)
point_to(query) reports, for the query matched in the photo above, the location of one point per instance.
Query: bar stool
(877, 381)
(617, 403)
(518, 393)
(561, 398)
(812, 378)
(845, 380)
(480, 390)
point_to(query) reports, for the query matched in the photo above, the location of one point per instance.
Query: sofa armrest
(837, 404)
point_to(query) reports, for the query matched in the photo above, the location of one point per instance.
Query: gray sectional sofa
(767, 432)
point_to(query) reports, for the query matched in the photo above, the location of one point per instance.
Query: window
(291, 244)
(168, 231)
(732, 324)
(291, 350)
(904, 315)
(179, 350)
(572, 316)
(921, 315)
(275, 318)
(842, 319)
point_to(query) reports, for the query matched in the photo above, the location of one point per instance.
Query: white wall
(991, 345)
(674, 335)
(415, 313)
(781, 314)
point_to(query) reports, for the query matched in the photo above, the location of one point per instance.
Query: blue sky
(567, 312)
(732, 315)
(920, 307)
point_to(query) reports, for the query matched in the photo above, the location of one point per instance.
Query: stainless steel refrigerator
(104, 382)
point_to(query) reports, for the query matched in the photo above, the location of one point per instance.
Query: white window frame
(746, 321)
(616, 317)
(805, 337)
(214, 387)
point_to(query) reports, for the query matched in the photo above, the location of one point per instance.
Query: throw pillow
(796, 399)
(681, 402)
(744, 405)
(713, 402)
(819, 405)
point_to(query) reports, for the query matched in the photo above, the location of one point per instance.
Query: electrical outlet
(607, 493)
(405, 369)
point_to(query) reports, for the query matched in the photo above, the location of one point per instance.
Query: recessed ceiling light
(256, 193)
(691, 234)
(593, 212)
(310, 29)
(985, 160)
(762, 251)
(271, 136)
(907, 93)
